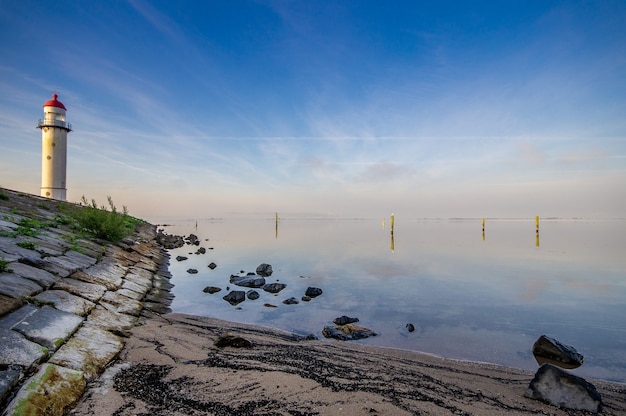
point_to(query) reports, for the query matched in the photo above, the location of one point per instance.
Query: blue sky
(344, 108)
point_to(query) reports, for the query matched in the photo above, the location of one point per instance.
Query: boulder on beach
(347, 332)
(274, 287)
(562, 389)
(549, 350)
(235, 297)
(264, 270)
(250, 280)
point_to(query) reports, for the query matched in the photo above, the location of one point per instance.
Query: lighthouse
(54, 129)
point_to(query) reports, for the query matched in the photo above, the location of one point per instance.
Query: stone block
(50, 392)
(89, 291)
(43, 278)
(65, 301)
(105, 274)
(90, 350)
(119, 303)
(8, 379)
(49, 327)
(16, 286)
(8, 304)
(15, 349)
(110, 320)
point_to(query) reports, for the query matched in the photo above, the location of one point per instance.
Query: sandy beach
(170, 365)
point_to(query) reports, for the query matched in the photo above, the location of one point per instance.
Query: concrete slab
(51, 392)
(16, 286)
(15, 349)
(110, 320)
(42, 277)
(117, 302)
(90, 350)
(49, 327)
(89, 291)
(65, 301)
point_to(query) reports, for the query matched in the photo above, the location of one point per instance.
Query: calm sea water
(470, 296)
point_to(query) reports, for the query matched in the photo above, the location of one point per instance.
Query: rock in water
(253, 295)
(235, 297)
(410, 327)
(181, 258)
(347, 332)
(562, 389)
(250, 280)
(192, 271)
(549, 350)
(211, 289)
(264, 270)
(274, 287)
(313, 292)
(342, 320)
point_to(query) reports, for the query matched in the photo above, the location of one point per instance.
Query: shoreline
(126, 353)
(171, 366)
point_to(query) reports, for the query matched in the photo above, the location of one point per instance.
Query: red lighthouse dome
(54, 102)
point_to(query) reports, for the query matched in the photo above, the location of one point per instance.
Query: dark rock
(264, 270)
(269, 305)
(274, 287)
(192, 271)
(193, 240)
(549, 350)
(211, 289)
(253, 295)
(306, 299)
(410, 327)
(291, 301)
(212, 266)
(347, 332)
(201, 250)
(313, 292)
(562, 389)
(235, 297)
(232, 341)
(247, 281)
(343, 320)
(168, 241)
(181, 258)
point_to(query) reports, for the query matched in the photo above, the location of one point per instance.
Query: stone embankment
(67, 302)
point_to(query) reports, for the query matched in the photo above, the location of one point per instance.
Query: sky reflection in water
(468, 298)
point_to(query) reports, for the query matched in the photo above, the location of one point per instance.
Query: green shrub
(100, 222)
(3, 196)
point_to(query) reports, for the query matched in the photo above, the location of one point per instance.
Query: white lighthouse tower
(54, 129)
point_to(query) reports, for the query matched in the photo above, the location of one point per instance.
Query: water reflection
(486, 301)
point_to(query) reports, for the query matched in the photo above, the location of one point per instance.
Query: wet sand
(171, 366)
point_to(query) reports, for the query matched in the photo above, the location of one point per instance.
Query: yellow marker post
(393, 218)
(537, 223)
(483, 229)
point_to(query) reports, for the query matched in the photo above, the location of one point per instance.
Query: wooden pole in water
(483, 229)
